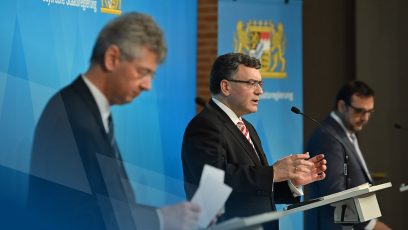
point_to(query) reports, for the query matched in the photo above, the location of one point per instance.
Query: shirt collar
(340, 122)
(234, 118)
(101, 101)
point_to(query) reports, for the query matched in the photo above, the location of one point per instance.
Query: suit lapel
(338, 131)
(236, 133)
(83, 91)
(257, 143)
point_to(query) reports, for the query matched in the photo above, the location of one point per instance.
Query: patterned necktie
(241, 126)
(360, 155)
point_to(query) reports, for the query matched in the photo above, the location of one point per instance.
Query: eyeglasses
(140, 70)
(361, 111)
(252, 83)
(145, 72)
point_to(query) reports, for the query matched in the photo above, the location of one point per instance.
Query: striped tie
(241, 126)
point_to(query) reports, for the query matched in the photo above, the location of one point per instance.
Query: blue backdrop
(272, 31)
(45, 44)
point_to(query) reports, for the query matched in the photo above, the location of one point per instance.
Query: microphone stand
(400, 127)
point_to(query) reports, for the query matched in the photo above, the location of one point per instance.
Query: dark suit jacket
(212, 138)
(76, 182)
(322, 142)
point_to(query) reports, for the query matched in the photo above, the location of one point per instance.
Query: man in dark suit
(353, 107)
(78, 179)
(220, 137)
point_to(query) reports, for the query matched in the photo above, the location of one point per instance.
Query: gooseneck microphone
(400, 127)
(345, 165)
(297, 111)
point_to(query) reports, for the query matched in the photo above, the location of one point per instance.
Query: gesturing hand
(300, 169)
(312, 174)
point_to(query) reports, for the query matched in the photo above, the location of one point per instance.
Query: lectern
(355, 205)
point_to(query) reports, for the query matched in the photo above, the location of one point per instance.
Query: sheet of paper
(211, 194)
(213, 172)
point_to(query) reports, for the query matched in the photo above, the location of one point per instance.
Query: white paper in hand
(211, 194)
(213, 172)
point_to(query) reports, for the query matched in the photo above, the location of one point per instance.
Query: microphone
(400, 127)
(297, 111)
(345, 164)
(200, 101)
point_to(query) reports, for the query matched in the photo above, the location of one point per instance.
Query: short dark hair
(130, 32)
(358, 88)
(226, 66)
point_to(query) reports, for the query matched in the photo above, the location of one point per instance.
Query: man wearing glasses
(353, 108)
(219, 136)
(79, 179)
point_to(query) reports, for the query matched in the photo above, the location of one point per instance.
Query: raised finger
(321, 163)
(318, 170)
(320, 176)
(317, 158)
(320, 166)
(301, 156)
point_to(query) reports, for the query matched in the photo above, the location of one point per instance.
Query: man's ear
(225, 87)
(341, 106)
(112, 57)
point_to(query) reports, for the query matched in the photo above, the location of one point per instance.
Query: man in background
(79, 180)
(353, 107)
(220, 137)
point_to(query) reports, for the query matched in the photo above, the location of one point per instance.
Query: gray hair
(130, 32)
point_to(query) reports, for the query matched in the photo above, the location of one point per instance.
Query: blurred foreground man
(79, 180)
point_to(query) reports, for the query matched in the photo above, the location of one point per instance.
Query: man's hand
(315, 173)
(183, 216)
(300, 169)
(218, 215)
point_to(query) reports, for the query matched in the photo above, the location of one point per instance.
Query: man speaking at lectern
(353, 108)
(219, 136)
